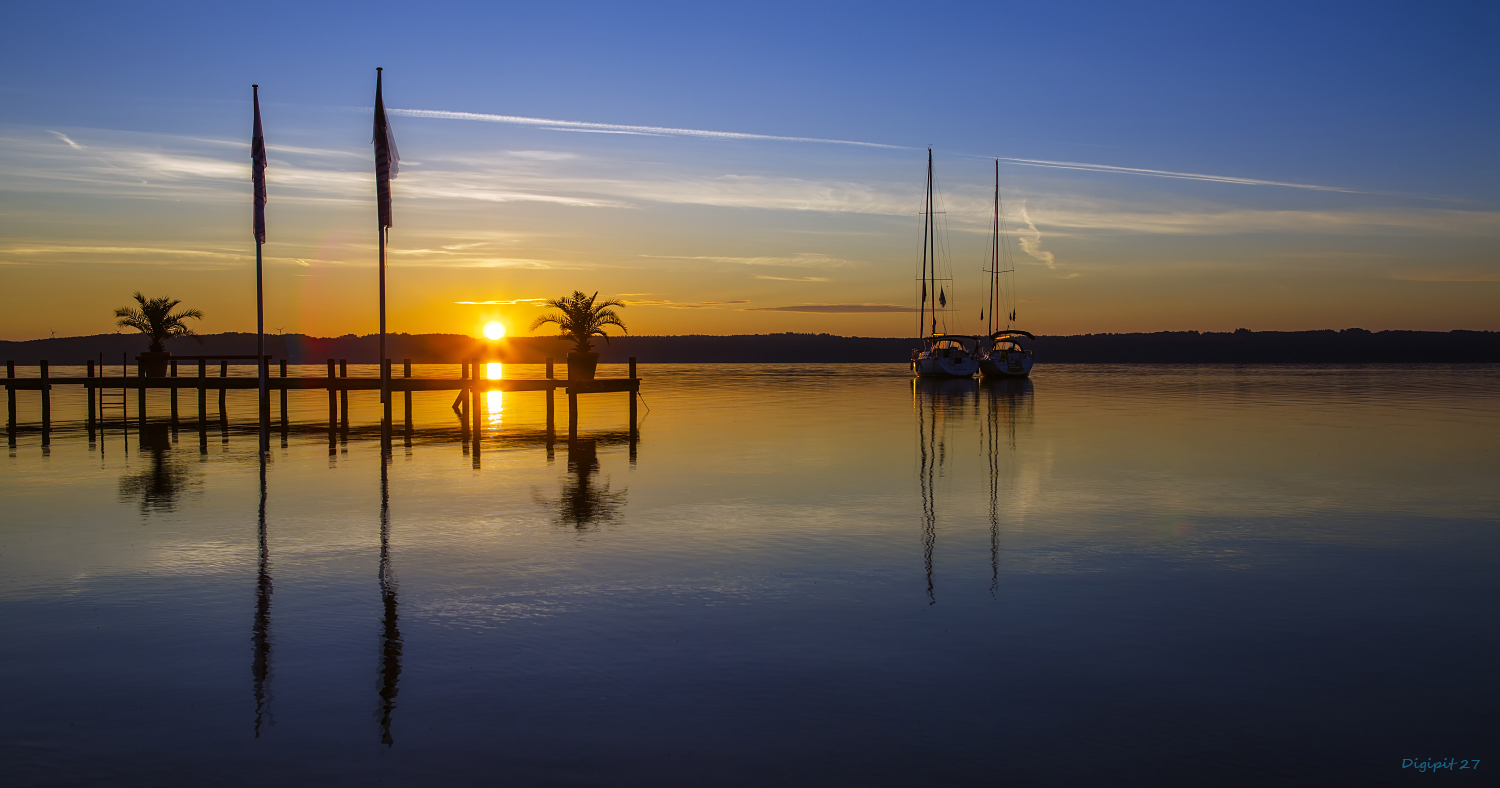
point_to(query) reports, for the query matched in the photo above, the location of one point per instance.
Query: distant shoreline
(1349, 346)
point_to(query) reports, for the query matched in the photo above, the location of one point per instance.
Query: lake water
(813, 575)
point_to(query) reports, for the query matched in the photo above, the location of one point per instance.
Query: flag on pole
(942, 297)
(258, 171)
(387, 160)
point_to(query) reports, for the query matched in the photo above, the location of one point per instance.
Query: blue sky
(1389, 110)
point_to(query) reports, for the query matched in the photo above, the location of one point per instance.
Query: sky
(755, 168)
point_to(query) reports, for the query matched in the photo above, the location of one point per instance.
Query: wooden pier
(470, 385)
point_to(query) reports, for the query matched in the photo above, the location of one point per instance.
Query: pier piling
(223, 411)
(406, 396)
(551, 407)
(173, 391)
(91, 397)
(385, 371)
(202, 394)
(46, 407)
(10, 402)
(344, 399)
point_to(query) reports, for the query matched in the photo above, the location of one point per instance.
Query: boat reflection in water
(1008, 410)
(951, 412)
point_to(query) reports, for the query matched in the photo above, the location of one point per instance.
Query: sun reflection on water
(494, 401)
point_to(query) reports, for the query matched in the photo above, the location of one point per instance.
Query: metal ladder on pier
(112, 399)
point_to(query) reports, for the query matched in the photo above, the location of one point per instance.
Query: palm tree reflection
(585, 501)
(164, 480)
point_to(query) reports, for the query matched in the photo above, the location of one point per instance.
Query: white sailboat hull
(939, 364)
(1005, 364)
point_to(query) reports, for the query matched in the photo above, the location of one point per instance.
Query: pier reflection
(164, 479)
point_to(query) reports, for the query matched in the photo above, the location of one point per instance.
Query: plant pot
(154, 365)
(581, 366)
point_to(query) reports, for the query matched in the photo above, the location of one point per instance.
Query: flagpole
(260, 315)
(385, 394)
(386, 160)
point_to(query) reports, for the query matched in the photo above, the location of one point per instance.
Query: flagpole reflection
(390, 635)
(260, 631)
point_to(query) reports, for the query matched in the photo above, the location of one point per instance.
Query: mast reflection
(260, 630)
(935, 400)
(390, 634)
(1009, 407)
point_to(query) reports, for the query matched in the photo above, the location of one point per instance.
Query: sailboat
(941, 355)
(1005, 354)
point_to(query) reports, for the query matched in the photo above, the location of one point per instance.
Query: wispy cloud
(796, 278)
(799, 260)
(65, 138)
(512, 302)
(1031, 242)
(669, 304)
(834, 309)
(618, 128)
(1470, 275)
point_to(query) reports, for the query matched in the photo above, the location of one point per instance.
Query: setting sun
(494, 329)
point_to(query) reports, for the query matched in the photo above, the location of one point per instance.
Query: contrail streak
(1188, 176)
(616, 128)
(666, 131)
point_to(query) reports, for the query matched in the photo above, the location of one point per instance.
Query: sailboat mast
(926, 212)
(932, 241)
(995, 254)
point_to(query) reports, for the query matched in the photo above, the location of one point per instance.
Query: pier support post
(91, 397)
(202, 394)
(385, 370)
(174, 396)
(333, 411)
(223, 411)
(344, 399)
(140, 394)
(333, 403)
(634, 387)
(551, 408)
(474, 395)
(202, 406)
(572, 415)
(10, 401)
(283, 401)
(46, 407)
(406, 373)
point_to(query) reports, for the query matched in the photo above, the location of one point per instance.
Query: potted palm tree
(580, 318)
(156, 320)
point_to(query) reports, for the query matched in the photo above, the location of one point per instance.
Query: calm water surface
(805, 575)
